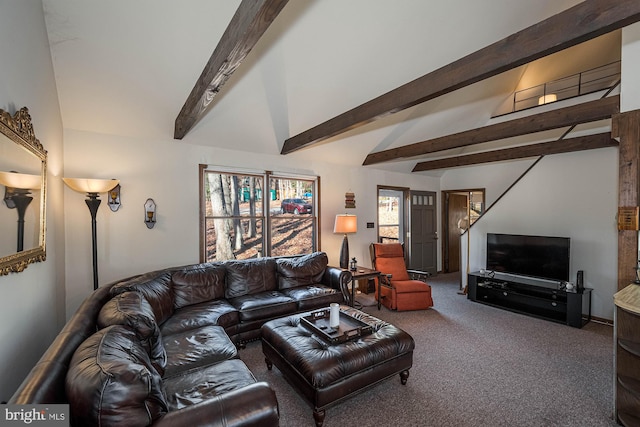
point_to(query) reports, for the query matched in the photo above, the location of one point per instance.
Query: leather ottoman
(325, 374)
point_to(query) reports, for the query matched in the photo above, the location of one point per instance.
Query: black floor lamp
(18, 187)
(92, 188)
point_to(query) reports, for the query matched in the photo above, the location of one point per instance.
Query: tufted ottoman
(326, 374)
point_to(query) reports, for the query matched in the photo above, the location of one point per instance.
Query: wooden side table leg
(353, 292)
(318, 416)
(269, 364)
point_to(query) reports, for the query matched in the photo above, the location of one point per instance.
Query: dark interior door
(423, 254)
(457, 210)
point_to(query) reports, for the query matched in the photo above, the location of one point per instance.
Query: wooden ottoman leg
(318, 416)
(404, 376)
(269, 364)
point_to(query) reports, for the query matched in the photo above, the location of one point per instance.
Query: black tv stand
(541, 298)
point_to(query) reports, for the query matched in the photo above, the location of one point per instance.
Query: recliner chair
(400, 289)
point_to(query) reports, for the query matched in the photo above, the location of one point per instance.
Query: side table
(358, 274)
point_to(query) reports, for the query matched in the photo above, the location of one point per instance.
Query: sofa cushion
(156, 288)
(313, 296)
(201, 283)
(410, 286)
(198, 385)
(301, 271)
(219, 312)
(196, 348)
(111, 381)
(250, 276)
(264, 305)
(132, 310)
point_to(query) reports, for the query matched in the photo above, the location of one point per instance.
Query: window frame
(404, 207)
(265, 215)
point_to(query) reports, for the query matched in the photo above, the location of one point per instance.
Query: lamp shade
(20, 180)
(83, 185)
(345, 224)
(463, 224)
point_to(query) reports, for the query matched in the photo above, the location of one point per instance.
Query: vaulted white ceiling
(126, 68)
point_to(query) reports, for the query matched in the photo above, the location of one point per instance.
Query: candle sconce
(150, 213)
(114, 198)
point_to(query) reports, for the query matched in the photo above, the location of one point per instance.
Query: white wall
(167, 171)
(569, 195)
(495, 179)
(32, 302)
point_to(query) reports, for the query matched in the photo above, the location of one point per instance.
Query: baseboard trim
(602, 320)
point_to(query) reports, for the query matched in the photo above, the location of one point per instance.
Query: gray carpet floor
(474, 365)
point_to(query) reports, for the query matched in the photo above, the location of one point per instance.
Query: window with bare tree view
(390, 215)
(244, 218)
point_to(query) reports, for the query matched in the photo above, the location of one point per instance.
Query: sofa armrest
(339, 279)
(253, 405)
(45, 383)
(419, 275)
(385, 280)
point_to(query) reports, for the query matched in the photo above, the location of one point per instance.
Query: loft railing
(596, 79)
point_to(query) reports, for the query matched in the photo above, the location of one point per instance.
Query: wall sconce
(150, 213)
(92, 187)
(345, 224)
(18, 187)
(114, 198)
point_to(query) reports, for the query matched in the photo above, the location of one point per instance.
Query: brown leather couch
(160, 348)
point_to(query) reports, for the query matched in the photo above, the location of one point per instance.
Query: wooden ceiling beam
(589, 142)
(585, 21)
(581, 113)
(248, 24)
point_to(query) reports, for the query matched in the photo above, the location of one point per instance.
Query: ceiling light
(545, 99)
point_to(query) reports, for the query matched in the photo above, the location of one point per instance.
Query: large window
(291, 216)
(244, 218)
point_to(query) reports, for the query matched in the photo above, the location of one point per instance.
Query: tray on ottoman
(349, 328)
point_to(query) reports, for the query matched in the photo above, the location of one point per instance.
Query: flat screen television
(535, 256)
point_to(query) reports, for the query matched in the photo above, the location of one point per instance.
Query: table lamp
(345, 224)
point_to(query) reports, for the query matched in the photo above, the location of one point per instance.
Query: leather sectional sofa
(160, 348)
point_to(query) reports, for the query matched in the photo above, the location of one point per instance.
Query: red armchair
(399, 288)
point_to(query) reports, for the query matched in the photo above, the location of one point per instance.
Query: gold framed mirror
(23, 188)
